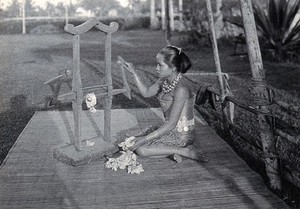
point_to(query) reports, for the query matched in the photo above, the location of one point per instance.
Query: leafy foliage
(279, 26)
(100, 7)
(13, 9)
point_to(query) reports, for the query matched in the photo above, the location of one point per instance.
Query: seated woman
(174, 137)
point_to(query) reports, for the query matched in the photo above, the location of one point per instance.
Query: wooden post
(225, 105)
(163, 14)
(171, 14)
(215, 48)
(23, 17)
(260, 95)
(180, 11)
(168, 30)
(84, 154)
(108, 30)
(152, 14)
(66, 12)
(219, 19)
(77, 89)
(108, 99)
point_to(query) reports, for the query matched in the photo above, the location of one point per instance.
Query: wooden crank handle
(53, 80)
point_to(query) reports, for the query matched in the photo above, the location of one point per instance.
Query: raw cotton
(127, 159)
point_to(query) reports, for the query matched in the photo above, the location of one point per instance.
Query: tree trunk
(23, 17)
(171, 14)
(261, 96)
(163, 14)
(152, 14)
(168, 30)
(219, 24)
(66, 13)
(215, 48)
(180, 8)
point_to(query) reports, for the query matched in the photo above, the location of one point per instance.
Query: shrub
(45, 29)
(136, 23)
(57, 25)
(279, 26)
(10, 27)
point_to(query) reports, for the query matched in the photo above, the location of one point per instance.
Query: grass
(30, 60)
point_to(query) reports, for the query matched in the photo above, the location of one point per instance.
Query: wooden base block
(69, 155)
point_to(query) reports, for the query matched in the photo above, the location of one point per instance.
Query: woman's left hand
(138, 141)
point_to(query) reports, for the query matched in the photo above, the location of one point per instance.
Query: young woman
(174, 137)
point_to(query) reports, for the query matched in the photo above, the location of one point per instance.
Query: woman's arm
(144, 90)
(181, 93)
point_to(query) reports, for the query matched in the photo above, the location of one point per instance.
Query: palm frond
(278, 25)
(283, 14)
(293, 33)
(261, 20)
(292, 12)
(273, 15)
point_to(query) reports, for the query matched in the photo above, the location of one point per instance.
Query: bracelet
(153, 135)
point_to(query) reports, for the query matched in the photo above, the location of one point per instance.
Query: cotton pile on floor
(127, 159)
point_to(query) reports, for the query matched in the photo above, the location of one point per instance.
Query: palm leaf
(273, 15)
(292, 13)
(293, 45)
(293, 33)
(261, 20)
(277, 24)
(282, 7)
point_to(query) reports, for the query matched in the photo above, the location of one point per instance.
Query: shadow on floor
(12, 123)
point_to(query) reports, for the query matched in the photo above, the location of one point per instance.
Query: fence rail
(287, 137)
(43, 18)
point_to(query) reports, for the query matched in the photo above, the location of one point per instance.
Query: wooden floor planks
(31, 178)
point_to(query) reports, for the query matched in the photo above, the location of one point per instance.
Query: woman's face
(162, 69)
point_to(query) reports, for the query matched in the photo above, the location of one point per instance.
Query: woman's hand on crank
(129, 67)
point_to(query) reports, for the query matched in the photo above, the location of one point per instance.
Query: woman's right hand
(129, 67)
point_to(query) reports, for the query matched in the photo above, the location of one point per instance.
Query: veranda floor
(31, 178)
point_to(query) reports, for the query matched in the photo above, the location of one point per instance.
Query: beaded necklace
(169, 87)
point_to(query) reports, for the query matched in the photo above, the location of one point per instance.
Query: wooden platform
(31, 178)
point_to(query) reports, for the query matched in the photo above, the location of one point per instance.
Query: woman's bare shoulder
(182, 90)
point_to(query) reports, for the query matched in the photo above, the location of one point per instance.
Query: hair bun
(185, 63)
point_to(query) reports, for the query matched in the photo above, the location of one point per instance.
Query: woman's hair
(174, 56)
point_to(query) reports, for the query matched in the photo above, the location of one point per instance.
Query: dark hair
(176, 57)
